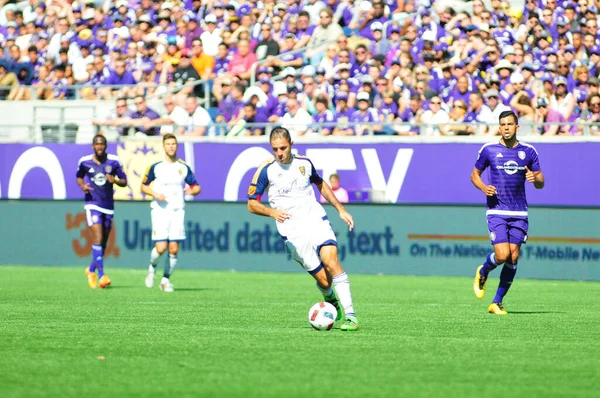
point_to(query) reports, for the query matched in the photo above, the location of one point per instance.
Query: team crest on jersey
(302, 170)
(108, 169)
(251, 190)
(522, 155)
(492, 235)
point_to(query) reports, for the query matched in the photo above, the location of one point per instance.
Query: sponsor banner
(408, 240)
(423, 173)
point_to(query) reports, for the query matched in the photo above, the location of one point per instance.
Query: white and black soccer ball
(322, 316)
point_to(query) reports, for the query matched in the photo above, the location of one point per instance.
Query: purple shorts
(97, 217)
(511, 230)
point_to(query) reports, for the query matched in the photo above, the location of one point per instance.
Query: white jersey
(289, 188)
(169, 179)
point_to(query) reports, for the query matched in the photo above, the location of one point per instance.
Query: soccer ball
(322, 316)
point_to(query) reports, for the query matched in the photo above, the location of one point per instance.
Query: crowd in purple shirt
(369, 63)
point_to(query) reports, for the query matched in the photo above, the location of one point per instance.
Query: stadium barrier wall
(410, 170)
(389, 239)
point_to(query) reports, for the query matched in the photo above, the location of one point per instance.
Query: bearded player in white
(171, 178)
(302, 221)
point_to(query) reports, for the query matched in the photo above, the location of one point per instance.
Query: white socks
(154, 257)
(327, 293)
(172, 264)
(342, 288)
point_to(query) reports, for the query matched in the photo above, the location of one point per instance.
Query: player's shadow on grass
(535, 312)
(194, 289)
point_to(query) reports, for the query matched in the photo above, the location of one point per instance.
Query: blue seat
(213, 112)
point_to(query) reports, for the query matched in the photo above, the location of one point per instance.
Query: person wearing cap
(544, 114)
(562, 101)
(212, 36)
(343, 115)
(323, 118)
(369, 16)
(492, 100)
(367, 119)
(326, 31)
(296, 120)
(380, 45)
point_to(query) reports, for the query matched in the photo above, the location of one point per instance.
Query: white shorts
(306, 245)
(168, 225)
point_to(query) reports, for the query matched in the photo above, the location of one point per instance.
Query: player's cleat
(497, 309)
(150, 279)
(479, 283)
(350, 324)
(92, 279)
(104, 282)
(87, 271)
(166, 285)
(333, 300)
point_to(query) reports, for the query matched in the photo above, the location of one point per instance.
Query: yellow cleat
(497, 309)
(479, 284)
(87, 271)
(104, 282)
(92, 280)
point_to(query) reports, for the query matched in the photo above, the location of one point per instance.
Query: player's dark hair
(506, 114)
(169, 136)
(280, 132)
(103, 138)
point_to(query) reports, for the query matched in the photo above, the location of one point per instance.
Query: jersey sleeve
(260, 181)
(482, 159)
(534, 163)
(190, 179)
(81, 171)
(119, 172)
(149, 176)
(315, 178)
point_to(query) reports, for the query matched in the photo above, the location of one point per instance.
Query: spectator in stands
(231, 106)
(121, 114)
(455, 125)
(479, 114)
(117, 77)
(562, 101)
(522, 103)
(343, 115)
(253, 120)
(241, 64)
(366, 119)
(544, 114)
(8, 79)
(492, 100)
(322, 116)
(184, 77)
(267, 47)
(340, 193)
(173, 121)
(143, 113)
(286, 59)
(296, 119)
(198, 120)
(327, 31)
(435, 116)
(412, 114)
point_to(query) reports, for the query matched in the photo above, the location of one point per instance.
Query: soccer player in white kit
(302, 221)
(171, 179)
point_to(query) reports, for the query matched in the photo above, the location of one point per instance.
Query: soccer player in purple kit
(95, 176)
(510, 164)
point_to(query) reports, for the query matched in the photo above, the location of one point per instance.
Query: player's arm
(193, 188)
(256, 207)
(146, 188)
(489, 190)
(327, 193)
(83, 186)
(535, 177)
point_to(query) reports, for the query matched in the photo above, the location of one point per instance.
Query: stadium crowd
(366, 64)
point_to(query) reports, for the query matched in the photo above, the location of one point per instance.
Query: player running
(95, 176)
(510, 163)
(170, 177)
(302, 221)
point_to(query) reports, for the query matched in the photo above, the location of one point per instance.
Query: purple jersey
(100, 198)
(507, 174)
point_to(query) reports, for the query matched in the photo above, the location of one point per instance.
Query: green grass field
(246, 334)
